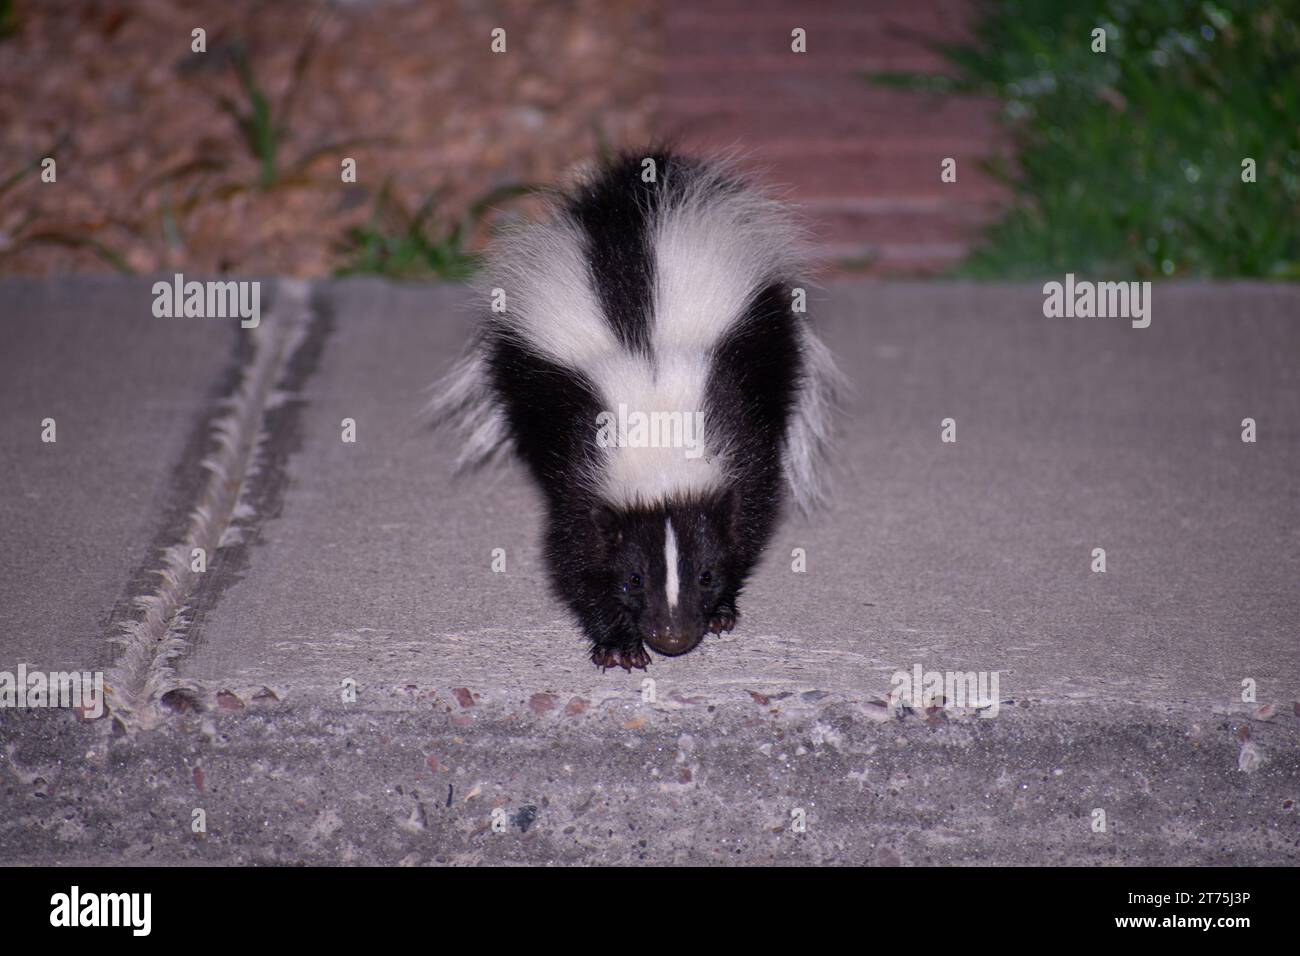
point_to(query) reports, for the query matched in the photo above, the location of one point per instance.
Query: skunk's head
(671, 569)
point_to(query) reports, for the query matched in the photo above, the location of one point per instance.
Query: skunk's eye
(634, 581)
(706, 578)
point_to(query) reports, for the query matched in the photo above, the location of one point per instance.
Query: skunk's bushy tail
(811, 432)
(464, 403)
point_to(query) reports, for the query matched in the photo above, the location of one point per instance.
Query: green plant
(399, 243)
(1131, 161)
(55, 236)
(8, 19)
(263, 126)
(27, 230)
(263, 130)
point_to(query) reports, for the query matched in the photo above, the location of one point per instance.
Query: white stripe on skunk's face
(672, 583)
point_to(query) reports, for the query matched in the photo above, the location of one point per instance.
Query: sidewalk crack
(155, 636)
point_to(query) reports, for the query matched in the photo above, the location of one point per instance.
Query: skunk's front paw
(723, 619)
(627, 658)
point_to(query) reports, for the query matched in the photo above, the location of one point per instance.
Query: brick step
(758, 64)
(804, 84)
(894, 178)
(870, 172)
(953, 223)
(854, 107)
(889, 258)
(895, 205)
(780, 145)
(861, 160)
(720, 120)
(937, 13)
(913, 24)
(829, 45)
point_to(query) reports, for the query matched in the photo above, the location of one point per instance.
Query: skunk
(645, 354)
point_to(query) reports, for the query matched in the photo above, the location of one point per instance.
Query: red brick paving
(863, 161)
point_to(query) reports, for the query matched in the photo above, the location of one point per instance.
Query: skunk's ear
(606, 521)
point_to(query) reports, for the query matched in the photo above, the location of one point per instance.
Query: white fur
(675, 384)
(464, 400)
(713, 252)
(811, 428)
(672, 583)
(549, 298)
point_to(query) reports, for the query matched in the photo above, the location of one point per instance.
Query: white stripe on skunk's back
(670, 397)
(715, 248)
(549, 300)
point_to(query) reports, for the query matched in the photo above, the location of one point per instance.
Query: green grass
(264, 127)
(401, 244)
(28, 231)
(1129, 162)
(262, 130)
(8, 19)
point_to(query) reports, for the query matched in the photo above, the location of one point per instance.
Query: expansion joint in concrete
(155, 636)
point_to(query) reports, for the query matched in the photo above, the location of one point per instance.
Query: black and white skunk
(642, 354)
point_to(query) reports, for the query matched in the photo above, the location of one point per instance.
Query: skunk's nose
(672, 642)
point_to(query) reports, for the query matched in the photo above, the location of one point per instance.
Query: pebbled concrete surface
(422, 782)
(365, 562)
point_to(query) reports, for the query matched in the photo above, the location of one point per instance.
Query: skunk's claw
(723, 620)
(635, 657)
(624, 657)
(604, 657)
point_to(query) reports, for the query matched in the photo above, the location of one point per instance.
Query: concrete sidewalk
(365, 562)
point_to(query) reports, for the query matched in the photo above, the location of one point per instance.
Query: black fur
(613, 212)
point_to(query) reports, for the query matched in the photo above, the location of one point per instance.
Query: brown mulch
(153, 175)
